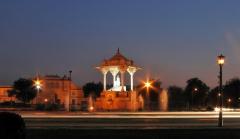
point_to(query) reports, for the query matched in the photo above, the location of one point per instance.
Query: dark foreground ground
(134, 134)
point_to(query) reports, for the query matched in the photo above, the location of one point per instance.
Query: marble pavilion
(118, 98)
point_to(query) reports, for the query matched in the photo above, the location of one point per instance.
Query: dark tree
(155, 90)
(23, 90)
(93, 89)
(213, 98)
(196, 92)
(176, 98)
(232, 92)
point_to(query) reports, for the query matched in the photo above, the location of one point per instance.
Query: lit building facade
(118, 98)
(59, 90)
(4, 94)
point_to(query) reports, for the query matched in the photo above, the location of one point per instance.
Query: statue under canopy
(117, 85)
(118, 65)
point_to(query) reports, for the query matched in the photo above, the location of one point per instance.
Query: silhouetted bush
(209, 108)
(7, 103)
(14, 104)
(12, 126)
(48, 107)
(40, 107)
(52, 107)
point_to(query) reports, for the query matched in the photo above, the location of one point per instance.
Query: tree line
(195, 95)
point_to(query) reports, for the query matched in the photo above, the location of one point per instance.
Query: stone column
(104, 72)
(104, 81)
(131, 74)
(131, 71)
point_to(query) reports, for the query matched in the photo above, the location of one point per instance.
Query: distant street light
(194, 90)
(221, 61)
(229, 102)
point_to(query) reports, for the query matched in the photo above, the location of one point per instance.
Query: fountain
(141, 101)
(90, 103)
(163, 100)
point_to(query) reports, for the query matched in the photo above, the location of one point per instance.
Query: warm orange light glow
(147, 84)
(37, 84)
(45, 100)
(229, 100)
(91, 108)
(221, 60)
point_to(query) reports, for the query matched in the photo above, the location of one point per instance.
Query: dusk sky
(172, 40)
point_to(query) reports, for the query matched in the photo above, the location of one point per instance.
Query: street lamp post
(38, 85)
(194, 90)
(221, 60)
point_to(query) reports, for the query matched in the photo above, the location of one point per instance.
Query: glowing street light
(220, 61)
(229, 102)
(148, 85)
(38, 84)
(195, 89)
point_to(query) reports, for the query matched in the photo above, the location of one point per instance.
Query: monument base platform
(119, 101)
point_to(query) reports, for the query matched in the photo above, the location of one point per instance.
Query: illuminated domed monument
(117, 97)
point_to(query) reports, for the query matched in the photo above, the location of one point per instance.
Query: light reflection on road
(135, 115)
(128, 120)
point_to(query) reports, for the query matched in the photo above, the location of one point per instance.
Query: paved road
(128, 120)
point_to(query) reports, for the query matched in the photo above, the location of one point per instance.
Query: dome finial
(118, 51)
